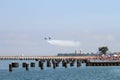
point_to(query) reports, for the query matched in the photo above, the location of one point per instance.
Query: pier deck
(44, 57)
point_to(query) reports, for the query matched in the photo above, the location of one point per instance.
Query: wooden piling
(57, 64)
(41, 65)
(65, 64)
(10, 67)
(54, 65)
(15, 65)
(78, 63)
(27, 67)
(71, 64)
(32, 64)
(24, 65)
(48, 64)
(103, 64)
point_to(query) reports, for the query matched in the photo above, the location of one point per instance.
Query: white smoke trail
(64, 43)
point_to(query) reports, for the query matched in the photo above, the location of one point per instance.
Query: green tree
(103, 49)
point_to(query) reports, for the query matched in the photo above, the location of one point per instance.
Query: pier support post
(48, 64)
(41, 65)
(27, 67)
(71, 64)
(10, 67)
(78, 63)
(32, 64)
(15, 65)
(57, 64)
(24, 65)
(54, 65)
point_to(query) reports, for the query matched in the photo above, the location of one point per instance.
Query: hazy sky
(25, 23)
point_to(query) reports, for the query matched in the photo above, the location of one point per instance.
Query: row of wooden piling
(24, 65)
(55, 63)
(103, 64)
(49, 63)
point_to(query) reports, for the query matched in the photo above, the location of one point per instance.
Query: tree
(103, 49)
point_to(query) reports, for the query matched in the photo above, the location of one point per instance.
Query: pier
(50, 61)
(54, 61)
(44, 57)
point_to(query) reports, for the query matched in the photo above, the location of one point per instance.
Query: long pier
(44, 57)
(56, 60)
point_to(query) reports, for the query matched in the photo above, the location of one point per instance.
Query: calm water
(60, 73)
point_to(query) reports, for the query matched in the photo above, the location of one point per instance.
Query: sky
(25, 23)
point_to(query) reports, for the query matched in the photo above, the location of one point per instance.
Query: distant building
(74, 54)
(79, 53)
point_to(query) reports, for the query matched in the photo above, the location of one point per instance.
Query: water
(60, 73)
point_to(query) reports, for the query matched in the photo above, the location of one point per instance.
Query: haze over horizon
(25, 23)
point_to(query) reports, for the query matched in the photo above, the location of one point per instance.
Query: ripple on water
(82, 73)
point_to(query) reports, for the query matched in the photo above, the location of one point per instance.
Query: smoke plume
(64, 43)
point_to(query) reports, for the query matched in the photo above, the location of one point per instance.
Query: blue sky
(25, 23)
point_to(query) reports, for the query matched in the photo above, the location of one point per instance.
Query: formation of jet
(62, 43)
(49, 38)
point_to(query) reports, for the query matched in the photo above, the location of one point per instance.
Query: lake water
(60, 73)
